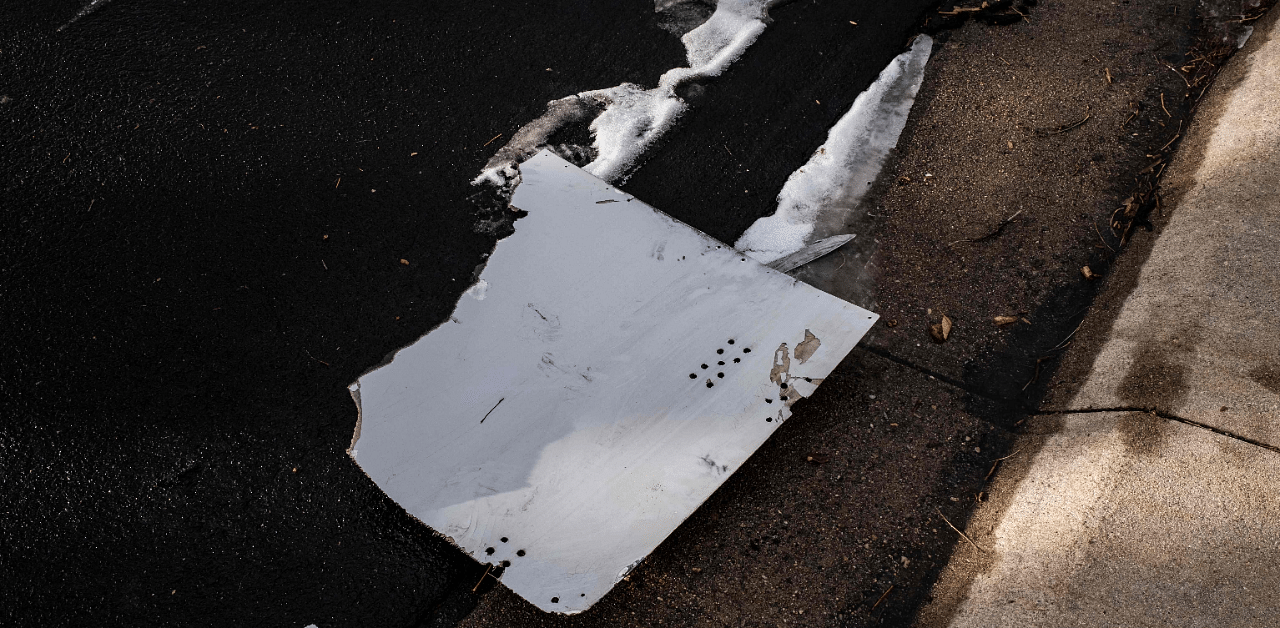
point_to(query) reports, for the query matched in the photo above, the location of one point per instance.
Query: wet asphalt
(214, 219)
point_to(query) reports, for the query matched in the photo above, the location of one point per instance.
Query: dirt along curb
(1135, 497)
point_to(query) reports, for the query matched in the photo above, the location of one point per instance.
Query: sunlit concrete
(1110, 517)
(1127, 519)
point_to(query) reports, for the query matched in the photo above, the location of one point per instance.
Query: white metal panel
(610, 369)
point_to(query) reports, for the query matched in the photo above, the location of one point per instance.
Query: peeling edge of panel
(354, 389)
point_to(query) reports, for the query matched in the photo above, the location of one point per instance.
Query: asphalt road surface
(218, 215)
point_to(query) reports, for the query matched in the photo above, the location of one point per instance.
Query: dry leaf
(1006, 320)
(941, 331)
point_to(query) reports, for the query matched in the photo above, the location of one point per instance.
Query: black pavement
(206, 208)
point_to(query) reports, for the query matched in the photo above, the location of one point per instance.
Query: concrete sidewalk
(1144, 494)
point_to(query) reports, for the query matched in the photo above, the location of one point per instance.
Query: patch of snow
(721, 40)
(627, 120)
(634, 120)
(818, 198)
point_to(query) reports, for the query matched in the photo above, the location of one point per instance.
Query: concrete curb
(1139, 500)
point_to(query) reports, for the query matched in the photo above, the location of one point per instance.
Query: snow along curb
(817, 199)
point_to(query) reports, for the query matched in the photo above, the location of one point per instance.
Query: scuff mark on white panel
(621, 366)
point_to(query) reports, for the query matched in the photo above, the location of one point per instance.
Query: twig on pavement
(1069, 336)
(962, 534)
(1059, 130)
(995, 464)
(1104, 241)
(1016, 452)
(998, 230)
(882, 596)
(315, 358)
(1037, 373)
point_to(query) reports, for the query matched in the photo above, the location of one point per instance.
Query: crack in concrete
(1166, 416)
